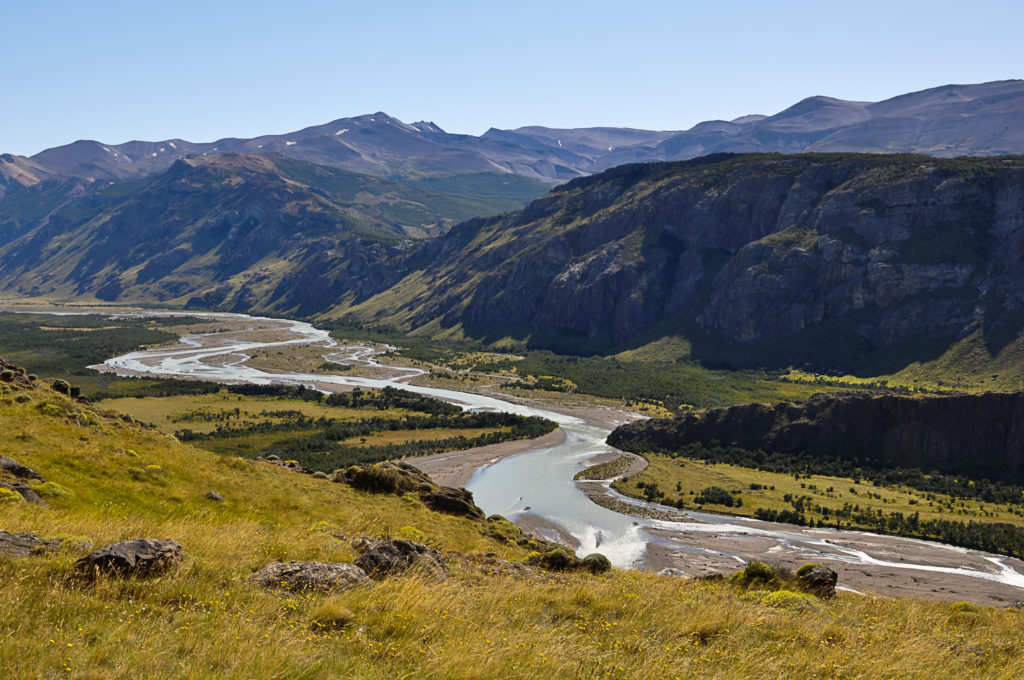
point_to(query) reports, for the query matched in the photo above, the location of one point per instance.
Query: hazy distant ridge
(952, 120)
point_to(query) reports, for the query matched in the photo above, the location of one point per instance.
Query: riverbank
(456, 468)
(538, 483)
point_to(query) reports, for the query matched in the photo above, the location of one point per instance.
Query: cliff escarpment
(760, 260)
(981, 436)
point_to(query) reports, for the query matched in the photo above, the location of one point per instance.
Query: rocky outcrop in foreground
(979, 435)
(315, 576)
(135, 557)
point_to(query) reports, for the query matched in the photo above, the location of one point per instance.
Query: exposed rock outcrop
(980, 435)
(25, 544)
(452, 501)
(819, 580)
(135, 557)
(28, 543)
(315, 576)
(761, 260)
(388, 558)
(27, 492)
(12, 466)
(399, 477)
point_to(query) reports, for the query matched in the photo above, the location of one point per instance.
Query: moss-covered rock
(52, 490)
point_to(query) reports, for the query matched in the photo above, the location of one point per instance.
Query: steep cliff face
(756, 257)
(980, 435)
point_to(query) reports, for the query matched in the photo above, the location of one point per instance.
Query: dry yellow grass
(204, 619)
(166, 412)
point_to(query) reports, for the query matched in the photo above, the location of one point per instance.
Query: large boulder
(452, 501)
(304, 576)
(388, 558)
(135, 557)
(819, 580)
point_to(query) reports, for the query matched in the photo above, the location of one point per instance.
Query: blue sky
(141, 69)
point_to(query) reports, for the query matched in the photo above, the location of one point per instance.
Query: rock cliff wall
(979, 435)
(762, 260)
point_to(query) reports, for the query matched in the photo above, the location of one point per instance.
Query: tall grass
(204, 619)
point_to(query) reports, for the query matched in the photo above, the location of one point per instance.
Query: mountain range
(952, 120)
(765, 259)
(757, 259)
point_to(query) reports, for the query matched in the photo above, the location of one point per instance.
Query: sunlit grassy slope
(684, 479)
(203, 619)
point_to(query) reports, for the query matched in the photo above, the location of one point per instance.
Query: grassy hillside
(204, 619)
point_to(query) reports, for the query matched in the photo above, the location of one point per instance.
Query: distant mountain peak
(949, 120)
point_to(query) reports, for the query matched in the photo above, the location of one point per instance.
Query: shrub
(967, 607)
(150, 473)
(7, 375)
(23, 399)
(61, 386)
(806, 568)
(382, 478)
(559, 559)
(376, 479)
(755, 574)
(319, 474)
(716, 495)
(596, 563)
(500, 528)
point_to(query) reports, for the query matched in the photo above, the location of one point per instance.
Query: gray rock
(23, 545)
(452, 501)
(17, 469)
(213, 496)
(389, 558)
(820, 581)
(135, 557)
(26, 492)
(672, 571)
(304, 576)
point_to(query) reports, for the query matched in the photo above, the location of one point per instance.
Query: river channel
(538, 484)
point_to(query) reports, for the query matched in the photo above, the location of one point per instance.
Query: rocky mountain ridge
(946, 121)
(226, 230)
(761, 260)
(835, 262)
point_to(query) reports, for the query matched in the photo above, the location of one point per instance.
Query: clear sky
(152, 69)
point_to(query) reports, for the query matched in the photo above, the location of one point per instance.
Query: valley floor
(703, 544)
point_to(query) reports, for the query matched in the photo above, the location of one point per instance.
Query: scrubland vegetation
(327, 432)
